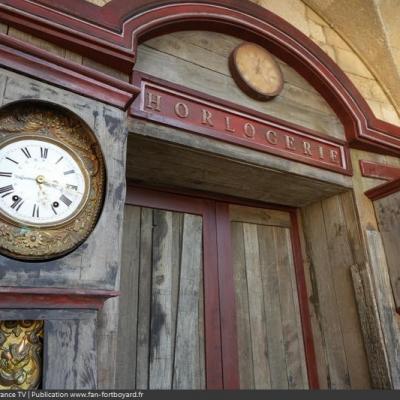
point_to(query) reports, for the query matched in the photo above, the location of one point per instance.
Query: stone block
(350, 62)
(316, 32)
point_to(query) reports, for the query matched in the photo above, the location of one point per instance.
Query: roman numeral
(43, 152)
(6, 190)
(17, 204)
(72, 187)
(10, 159)
(65, 200)
(71, 171)
(59, 159)
(26, 152)
(35, 212)
(6, 174)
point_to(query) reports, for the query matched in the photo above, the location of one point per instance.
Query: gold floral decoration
(21, 346)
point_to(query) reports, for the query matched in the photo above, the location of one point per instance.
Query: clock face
(41, 182)
(256, 71)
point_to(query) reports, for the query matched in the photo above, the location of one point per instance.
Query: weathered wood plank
(373, 337)
(161, 343)
(297, 312)
(126, 353)
(144, 308)
(246, 370)
(341, 259)
(292, 338)
(107, 344)
(324, 300)
(387, 212)
(187, 356)
(314, 310)
(262, 377)
(386, 307)
(259, 216)
(70, 354)
(271, 297)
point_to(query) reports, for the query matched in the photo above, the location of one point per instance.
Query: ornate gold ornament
(53, 128)
(21, 344)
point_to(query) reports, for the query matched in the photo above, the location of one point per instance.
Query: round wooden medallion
(255, 71)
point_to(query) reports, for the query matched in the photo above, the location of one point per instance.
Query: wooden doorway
(212, 296)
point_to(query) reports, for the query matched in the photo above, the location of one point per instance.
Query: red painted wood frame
(371, 169)
(222, 369)
(110, 34)
(54, 298)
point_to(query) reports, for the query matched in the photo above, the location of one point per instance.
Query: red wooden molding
(174, 105)
(12, 297)
(312, 370)
(383, 190)
(39, 64)
(370, 169)
(230, 357)
(110, 34)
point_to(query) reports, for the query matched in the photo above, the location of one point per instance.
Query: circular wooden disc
(255, 71)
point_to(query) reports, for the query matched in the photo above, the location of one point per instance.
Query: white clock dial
(41, 183)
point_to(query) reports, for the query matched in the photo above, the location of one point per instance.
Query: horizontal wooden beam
(370, 169)
(13, 297)
(384, 190)
(40, 64)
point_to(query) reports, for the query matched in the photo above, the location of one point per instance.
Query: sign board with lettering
(187, 109)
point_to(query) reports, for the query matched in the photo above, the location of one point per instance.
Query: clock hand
(58, 185)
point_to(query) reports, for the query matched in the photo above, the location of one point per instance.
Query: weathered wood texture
(199, 60)
(229, 169)
(390, 320)
(70, 354)
(387, 213)
(370, 322)
(270, 340)
(160, 333)
(333, 244)
(95, 263)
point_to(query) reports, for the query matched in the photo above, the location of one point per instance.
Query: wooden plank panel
(387, 310)
(262, 378)
(324, 298)
(144, 307)
(315, 115)
(70, 354)
(292, 337)
(271, 295)
(187, 355)
(259, 216)
(126, 353)
(246, 369)
(161, 343)
(341, 259)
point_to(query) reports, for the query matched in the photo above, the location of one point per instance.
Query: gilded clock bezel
(78, 160)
